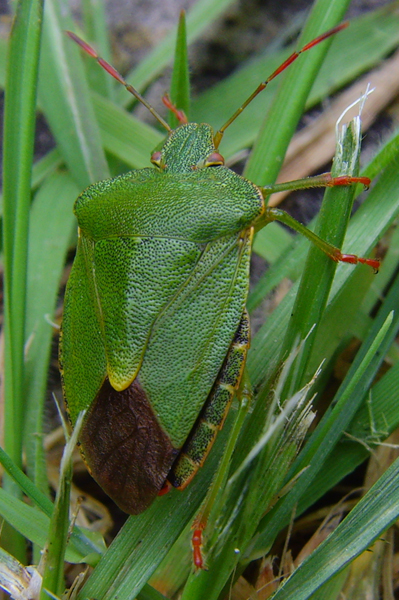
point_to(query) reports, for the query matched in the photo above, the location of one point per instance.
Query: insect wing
(155, 298)
(191, 337)
(131, 438)
(134, 278)
(82, 356)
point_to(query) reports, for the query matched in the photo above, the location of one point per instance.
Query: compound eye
(156, 158)
(214, 160)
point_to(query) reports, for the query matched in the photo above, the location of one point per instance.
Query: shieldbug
(155, 331)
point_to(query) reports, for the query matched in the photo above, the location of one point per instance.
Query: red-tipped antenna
(282, 67)
(112, 71)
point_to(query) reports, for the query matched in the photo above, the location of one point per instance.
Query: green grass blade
(365, 229)
(377, 511)
(54, 552)
(332, 426)
(319, 269)
(358, 48)
(65, 98)
(364, 421)
(95, 26)
(83, 543)
(149, 593)
(200, 16)
(376, 418)
(25, 484)
(180, 84)
(19, 123)
(289, 263)
(41, 169)
(18, 152)
(84, 547)
(52, 226)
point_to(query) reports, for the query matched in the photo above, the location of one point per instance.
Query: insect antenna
(280, 69)
(112, 71)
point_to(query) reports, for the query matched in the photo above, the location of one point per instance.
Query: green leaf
(319, 269)
(65, 98)
(332, 426)
(52, 223)
(180, 84)
(55, 549)
(96, 32)
(199, 17)
(377, 511)
(19, 123)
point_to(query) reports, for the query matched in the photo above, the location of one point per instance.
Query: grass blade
(180, 84)
(200, 16)
(65, 98)
(319, 270)
(19, 123)
(289, 103)
(377, 511)
(54, 554)
(52, 226)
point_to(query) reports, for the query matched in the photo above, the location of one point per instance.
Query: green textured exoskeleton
(154, 301)
(155, 331)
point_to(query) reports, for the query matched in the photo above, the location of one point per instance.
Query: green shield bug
(155, 331)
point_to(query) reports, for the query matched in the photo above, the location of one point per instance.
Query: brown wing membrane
(127, 452)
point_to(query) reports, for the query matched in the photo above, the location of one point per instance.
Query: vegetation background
(152, 556)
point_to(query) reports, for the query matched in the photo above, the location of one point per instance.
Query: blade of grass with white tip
(319, 270)
(365, 229)
(290, 264)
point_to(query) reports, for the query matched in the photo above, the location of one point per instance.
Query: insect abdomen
(212, 417)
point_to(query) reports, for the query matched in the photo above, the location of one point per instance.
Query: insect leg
(324, 180)
(275, 214)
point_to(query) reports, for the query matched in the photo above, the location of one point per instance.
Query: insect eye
(156, 158)
(214, 160)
